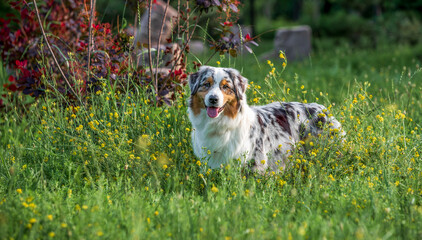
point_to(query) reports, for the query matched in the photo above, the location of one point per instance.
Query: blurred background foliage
(363, 23)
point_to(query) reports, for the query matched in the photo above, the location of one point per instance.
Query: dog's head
(217, 90)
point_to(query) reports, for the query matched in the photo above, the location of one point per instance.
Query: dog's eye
(226, 87)
(207, 85)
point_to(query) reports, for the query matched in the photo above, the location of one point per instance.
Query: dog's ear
(240, 83)
(194, 82)
(195, 78)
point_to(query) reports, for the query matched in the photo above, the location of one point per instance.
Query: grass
(122, 169)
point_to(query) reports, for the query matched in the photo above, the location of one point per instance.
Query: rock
(196, 47)
(268, 55)
(295, 42)
(169, 53)
(157, 15)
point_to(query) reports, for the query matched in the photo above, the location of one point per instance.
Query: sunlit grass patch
(120, 167)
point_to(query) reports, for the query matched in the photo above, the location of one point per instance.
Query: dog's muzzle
(213, 103)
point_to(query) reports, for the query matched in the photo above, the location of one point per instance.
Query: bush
(365, 24)
(78, 67)
(401, 27)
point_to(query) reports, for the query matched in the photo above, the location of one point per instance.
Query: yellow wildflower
(214, 189)
(282, 56)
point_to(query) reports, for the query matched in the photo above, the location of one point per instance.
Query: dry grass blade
(51, 50)
(185, 44)
(149, 45)
(159, 41)
(92, 7)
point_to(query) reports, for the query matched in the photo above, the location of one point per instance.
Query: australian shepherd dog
(225, 127)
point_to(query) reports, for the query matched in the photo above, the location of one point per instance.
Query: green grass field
(121, 168)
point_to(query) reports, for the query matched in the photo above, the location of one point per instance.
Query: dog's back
(280, 126)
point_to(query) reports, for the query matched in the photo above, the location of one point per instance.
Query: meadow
(121, 168)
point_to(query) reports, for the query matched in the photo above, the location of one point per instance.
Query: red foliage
(248, 37)
(21, 40)
(22, 46)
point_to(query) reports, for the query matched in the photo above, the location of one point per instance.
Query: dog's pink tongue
(212, 112)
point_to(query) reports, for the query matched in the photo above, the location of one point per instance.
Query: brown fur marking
(197, 102)
(231, 103)
(210, 80)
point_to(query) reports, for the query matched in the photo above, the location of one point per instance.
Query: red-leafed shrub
(112, 55)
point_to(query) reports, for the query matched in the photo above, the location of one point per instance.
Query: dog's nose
(213, 99)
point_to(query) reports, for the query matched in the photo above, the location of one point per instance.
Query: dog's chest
(220, 141)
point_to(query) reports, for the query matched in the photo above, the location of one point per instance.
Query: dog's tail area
(322, 119)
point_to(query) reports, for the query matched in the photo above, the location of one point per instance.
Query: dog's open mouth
(213, 112)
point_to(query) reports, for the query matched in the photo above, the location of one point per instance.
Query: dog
(224, 127)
